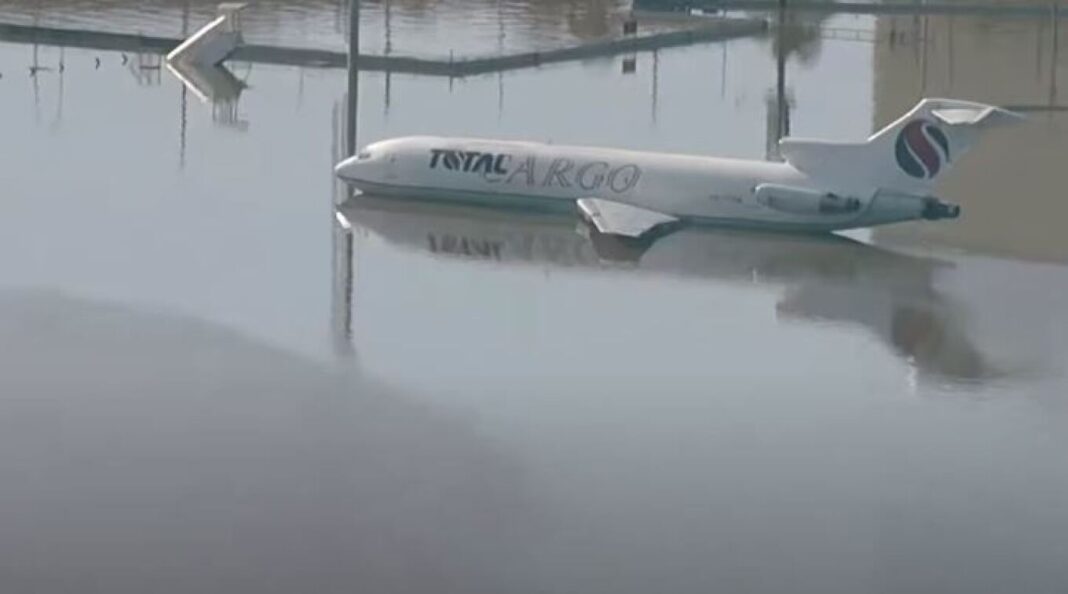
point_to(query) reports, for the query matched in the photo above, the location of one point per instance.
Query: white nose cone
(348, 168)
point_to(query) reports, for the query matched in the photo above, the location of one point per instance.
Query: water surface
(204, 388)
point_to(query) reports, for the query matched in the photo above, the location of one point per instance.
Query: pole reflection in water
(342, 253)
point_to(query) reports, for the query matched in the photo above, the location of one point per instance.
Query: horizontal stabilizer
(616, 218)
(974, 115)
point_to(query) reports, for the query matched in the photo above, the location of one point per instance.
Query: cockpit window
(362, 155)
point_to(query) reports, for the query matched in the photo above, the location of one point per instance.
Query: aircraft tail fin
(907, 155)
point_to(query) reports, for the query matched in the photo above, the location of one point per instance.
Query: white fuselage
(691, 188)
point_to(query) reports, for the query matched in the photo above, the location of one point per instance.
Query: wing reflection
(828, 279)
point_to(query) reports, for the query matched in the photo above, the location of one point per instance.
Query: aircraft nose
(348, 168)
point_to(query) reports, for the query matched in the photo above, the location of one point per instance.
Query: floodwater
(207, 385)
(408, 27)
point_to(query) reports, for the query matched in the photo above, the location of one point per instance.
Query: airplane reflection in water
(828, 279)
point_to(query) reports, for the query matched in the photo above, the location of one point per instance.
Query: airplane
(825, 278)
(822, 186)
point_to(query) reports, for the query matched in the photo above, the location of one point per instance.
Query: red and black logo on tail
(922, 149)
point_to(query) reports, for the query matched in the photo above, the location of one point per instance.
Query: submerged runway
(211, 384)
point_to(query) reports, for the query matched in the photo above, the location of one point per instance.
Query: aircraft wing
(616, 218)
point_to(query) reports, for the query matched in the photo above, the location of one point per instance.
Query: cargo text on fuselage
(529, 171)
